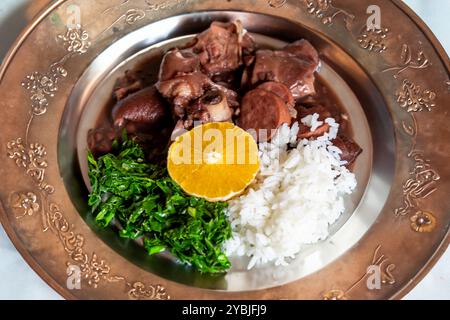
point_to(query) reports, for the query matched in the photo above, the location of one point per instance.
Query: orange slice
(215, 161)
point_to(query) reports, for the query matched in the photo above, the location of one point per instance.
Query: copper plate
(394, 81)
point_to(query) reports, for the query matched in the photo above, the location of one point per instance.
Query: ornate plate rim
(42, 273)
(445, 244)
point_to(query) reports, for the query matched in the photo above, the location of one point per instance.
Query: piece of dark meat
(127, 84)
(305, 131)
(231, 95)
(249, 62)
(221, 47)
(280, 66)
(248, 45)
(145, 108)
(264, 112)
(100, 140)
(183, 90)
(319, 109)
(177, 63)
(154, 140)
(216, 105)
(326, 99)
(211, 107)
(229, 80)
(303, 49)
(145, 116)
(185, 74)
(293, 66)
(350, 149)
(283, 92)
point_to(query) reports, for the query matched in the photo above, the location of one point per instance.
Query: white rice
(296, 196)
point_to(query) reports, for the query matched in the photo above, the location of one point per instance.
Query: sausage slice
(280, 90)
(263, 110)
(283, 92)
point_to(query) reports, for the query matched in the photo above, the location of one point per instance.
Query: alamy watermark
(374, 19)
(73, 17)
(373, 281)
(73, 277)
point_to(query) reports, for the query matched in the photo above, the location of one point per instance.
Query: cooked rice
(297, 195)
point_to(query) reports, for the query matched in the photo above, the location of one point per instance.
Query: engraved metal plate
(394, 82)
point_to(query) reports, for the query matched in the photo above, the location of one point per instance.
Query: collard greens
(149, 204)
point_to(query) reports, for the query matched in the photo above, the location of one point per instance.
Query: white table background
(19, 281)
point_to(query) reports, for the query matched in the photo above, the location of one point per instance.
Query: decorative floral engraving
(152, 6)
(140, 291)
(387, 278)
(43, 86)
(134, 15)
(413, 98)
(410, 130)
(380, 260)
(76, 40)
(32, 159)
(408, 62)
(423, 177)
(423, 222)
(327, 12)
(130, 17)
(373, 40)
(421, 184)
(277, 3)
(335, 295)
(93, 269)
(26, 203)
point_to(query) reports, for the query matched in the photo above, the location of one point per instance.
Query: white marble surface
(19, 281)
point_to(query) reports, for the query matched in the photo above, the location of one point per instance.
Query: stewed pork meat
(178, 63)
(145, 107)
(183, 90)
(305, 131)
(350, 149)
(127, 84)
(294, 66)
(221, 47)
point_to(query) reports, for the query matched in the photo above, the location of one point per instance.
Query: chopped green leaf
(149, 204)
